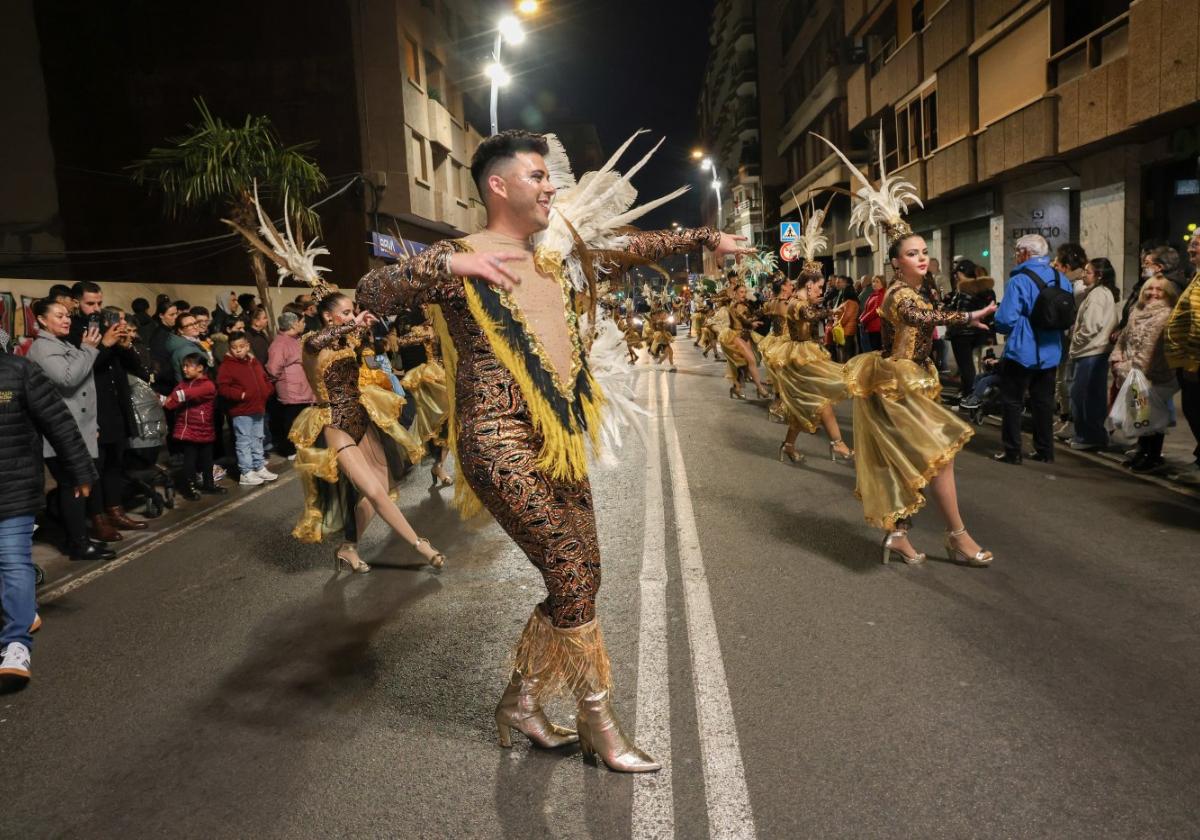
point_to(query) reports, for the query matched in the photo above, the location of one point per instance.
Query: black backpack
(1054, 308)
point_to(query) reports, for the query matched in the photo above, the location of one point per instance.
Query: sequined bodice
(802, 319)
(908, 322)
(332, 367)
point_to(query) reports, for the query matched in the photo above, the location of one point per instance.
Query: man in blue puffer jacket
(1031, 355)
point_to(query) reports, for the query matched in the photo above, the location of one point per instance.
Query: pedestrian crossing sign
(789, 231)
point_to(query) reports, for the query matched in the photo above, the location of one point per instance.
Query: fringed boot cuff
(563, 659)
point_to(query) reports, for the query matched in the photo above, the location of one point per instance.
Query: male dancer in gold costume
(523, 402)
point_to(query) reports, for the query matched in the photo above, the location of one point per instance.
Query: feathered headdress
(812, 242)
(880, 209)
(589, 219)
(282, 249)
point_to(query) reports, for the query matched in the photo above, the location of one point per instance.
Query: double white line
(728, 801)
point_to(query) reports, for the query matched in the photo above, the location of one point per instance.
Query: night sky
(614, 65)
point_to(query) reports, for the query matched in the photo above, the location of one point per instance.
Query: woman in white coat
(1090, 347)
(70, 369)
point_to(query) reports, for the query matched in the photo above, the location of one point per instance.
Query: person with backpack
(1038, 306)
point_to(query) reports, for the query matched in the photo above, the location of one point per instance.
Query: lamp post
(708, 165)
(509, 29)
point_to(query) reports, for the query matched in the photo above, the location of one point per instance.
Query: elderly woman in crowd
(1140, 347)
(1090, 347)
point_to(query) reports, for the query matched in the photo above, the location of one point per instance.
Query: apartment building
(387, 90)
(729, 122)
(415, 136)
(1076, 120)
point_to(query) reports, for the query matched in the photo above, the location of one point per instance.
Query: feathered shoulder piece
(593, 211)
(282, 249)
(881, 209)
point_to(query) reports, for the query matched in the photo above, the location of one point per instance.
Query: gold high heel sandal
(347, 553)
(762, 393)
(437, 559)
(834, 455)
(440, 479)
(791, 454)
(979, 559)
(735, 393)
(520, 709)
(915, 559)
(601, 738)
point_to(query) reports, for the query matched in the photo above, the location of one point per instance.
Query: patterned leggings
(552, 521)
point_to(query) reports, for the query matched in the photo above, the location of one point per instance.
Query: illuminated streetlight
(697, 154)
(527, 7)
(508, 29)
(708, 166)
(499, 76)
(511, 29)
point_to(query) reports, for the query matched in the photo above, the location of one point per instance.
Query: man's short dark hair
(182, 306)
(84, 287)
(199, 311)
(500, 147)
(140, 306)
(58, 290)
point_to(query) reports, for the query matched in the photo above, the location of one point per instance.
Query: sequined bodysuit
(908, 321)
(499, 447)
(332, 367)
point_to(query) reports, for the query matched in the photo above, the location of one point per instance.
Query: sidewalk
(60, 570)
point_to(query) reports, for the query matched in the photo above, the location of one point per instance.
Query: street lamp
(527, 7)
(508, 29)
(708, 165)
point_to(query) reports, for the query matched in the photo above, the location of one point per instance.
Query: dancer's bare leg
(751, 362)
(361, 463)
(945, 493)
(829, 421)
(670, 355)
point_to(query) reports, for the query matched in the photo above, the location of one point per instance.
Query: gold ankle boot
(601, 737)
(521, 709)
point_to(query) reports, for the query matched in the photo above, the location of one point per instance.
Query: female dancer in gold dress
(738, 340)
(425, 385)
(781, 293)
(906, 439)
(808, 381)
(661, 335)
(353, 432)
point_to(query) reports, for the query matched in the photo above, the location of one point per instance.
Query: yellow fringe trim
(565, 659)
(563, 454)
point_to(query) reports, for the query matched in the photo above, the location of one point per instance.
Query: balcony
(1163, 58)
(441, 127)
(858, 98)
(1094, 106)
(951, 168)
(914, 173)
(1021, 137)
(948, 33)
(898, 76)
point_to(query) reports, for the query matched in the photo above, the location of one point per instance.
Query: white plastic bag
(1138, 409)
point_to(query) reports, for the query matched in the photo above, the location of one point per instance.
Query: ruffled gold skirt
(326, 494)
(805, 378)
(426, 388)
(659, 339)
(903, 436)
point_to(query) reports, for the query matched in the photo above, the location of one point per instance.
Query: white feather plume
(813, 241)
(882, 207)
(608, 364)
(297, 262)
(597, 206)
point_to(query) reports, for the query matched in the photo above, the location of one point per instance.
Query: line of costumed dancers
(527, 377)
(905, 439)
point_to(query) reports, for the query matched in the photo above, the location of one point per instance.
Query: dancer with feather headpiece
(351, 448)
(809, 382)
(524, 400)
(739, 340)
(907, 439)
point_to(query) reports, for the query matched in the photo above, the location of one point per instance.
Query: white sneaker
(250, 479)
(265, 474)
(14, 668)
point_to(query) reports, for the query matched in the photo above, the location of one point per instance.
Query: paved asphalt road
(229, 684)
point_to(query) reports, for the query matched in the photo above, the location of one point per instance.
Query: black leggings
(72, 511)
(111, 466)
(964, 356)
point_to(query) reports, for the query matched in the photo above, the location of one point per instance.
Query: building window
(412, 60)
(915, 134)
(434, 81)
(419, 162)
(882, 41)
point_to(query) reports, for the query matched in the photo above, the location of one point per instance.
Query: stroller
(985, 399)
(149, 484)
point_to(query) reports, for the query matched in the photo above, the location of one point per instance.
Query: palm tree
(215, 167)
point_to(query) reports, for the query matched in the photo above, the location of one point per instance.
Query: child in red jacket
(195, 398)
(243, 383)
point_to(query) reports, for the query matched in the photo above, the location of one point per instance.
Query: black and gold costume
(357, 400)
(903, 434)
(518, 423)
(806, 379)
(660, 330)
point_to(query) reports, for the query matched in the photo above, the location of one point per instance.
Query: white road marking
(168, 537)
(729, 812)
(653, 798)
